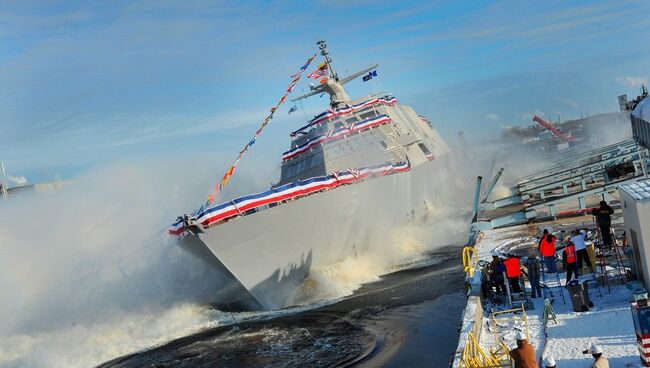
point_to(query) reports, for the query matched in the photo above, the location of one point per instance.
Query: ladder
(615, 251)
(546, 290)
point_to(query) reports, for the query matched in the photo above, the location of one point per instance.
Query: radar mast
(333, 86)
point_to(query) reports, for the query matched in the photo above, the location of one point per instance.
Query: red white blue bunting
(290, 191)
(332, 113)
(336, 134)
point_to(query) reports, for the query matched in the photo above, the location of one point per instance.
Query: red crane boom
(555, 132)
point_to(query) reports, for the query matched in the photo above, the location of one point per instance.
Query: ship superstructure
(361, 165)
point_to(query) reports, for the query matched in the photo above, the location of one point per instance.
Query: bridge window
(424, 149)
(368, 115)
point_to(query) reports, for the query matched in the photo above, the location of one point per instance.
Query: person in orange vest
(513, 272)
(569, 261)
(547, 250)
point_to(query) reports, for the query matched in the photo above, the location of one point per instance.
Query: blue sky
(83, 83)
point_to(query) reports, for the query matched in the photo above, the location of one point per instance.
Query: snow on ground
(608, 324)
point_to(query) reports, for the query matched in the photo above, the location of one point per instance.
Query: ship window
(367, 115)
(351, 120)
(338, 124)
(383, 144)
(424, 149)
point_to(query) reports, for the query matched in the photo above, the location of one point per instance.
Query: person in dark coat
(532, 268)
(496, 274)
(604, 221)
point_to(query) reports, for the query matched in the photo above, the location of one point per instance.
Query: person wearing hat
(549, 362)
(524, 354)
(597, 352)
(604, 221)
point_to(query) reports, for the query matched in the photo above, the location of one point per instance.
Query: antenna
(323, 51)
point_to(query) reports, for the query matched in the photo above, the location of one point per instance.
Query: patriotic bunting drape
(226, 177)
(332, 113)
(216, 214)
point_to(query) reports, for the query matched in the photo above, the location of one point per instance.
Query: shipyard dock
(606, 306)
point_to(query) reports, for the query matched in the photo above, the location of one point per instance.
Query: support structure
(3, 183)
(567, 182)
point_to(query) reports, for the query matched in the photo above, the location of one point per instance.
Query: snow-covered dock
(608, 323)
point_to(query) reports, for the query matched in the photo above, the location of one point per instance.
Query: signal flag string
(226, 177)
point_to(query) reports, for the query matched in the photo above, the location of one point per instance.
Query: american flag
(320, 72)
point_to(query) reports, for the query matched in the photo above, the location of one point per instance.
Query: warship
(352, 173)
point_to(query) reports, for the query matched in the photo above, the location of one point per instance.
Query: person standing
(569, 261)
(547, 249)
(532, 266)
(604, 221)
(524, 354)
(513, 272)
(578, 239)
(597, 352)
(496, 274)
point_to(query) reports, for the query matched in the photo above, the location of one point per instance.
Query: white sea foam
(88, 273)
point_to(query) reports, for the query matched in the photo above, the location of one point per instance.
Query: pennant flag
(228, 174)
(226, 177)
(293, 109)
(323, 81)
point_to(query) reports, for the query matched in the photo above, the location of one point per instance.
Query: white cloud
(492, 116)
(632, 82)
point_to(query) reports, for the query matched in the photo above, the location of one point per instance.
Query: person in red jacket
(513, 272)
(547, 250)
(569, 261)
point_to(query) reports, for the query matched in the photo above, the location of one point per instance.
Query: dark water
(407, 319)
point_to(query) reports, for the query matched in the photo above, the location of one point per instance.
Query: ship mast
(333, 86)
(322, 46)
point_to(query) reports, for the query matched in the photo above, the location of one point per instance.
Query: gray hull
(270, 252)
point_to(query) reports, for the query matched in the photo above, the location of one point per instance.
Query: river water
(406, 318)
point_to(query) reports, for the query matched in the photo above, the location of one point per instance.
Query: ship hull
(271, 252)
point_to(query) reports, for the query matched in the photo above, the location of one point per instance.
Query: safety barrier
(524, 318)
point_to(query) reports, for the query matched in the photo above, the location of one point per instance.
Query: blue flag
(293, 108)
(369, 76)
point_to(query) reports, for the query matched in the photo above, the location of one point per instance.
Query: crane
(553, 130)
